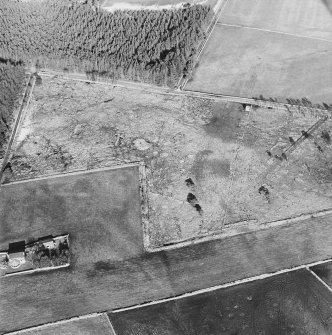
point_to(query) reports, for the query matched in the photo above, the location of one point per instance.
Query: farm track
(25, 103)
(273, 31)
(221, 4)
(194, 94)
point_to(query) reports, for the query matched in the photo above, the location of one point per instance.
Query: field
(108, 282)
(269, 49)
(287, 304)
(99, 210)
(207, 161)
(310, 18)
(324, 271)
(89, 207)
(92, 325)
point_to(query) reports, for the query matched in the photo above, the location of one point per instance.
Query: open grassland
(207, 161)
(293, 303)
(94, 325)
(89, 207)
(103, 285)
(247, 63)
(311, 18)
(280, 49)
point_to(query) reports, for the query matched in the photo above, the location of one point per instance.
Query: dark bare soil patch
(225, 121)
(203, 165)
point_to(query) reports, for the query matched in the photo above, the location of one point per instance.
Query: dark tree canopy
(156, 46)
(11, 80)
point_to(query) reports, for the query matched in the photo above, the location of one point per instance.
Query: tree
(126, 44)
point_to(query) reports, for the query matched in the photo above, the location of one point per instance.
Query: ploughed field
(294, 303)
(279, 49)
(209, 164)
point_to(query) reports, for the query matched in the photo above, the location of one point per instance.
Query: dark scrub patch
(203, 165)
(225, 122)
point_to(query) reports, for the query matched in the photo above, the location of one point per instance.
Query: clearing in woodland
(210, 165)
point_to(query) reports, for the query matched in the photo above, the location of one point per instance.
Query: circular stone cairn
(141, 144)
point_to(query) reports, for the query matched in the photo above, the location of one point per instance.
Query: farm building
(16, 254)
(47, 241)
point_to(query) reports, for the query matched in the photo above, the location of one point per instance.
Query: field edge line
(319, 279)
(221, 286)
(240, 228)
(64, 321)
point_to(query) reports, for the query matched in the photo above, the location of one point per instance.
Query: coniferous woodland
(11, 84)
(156, 46)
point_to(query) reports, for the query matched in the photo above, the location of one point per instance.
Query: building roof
(48, 238)
(16, 247)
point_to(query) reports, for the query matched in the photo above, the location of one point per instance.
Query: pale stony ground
(74, 125)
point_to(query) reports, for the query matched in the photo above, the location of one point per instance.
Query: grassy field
(99, 286)
(247, 63)
(279, 49)
(90, 326)
(311, 18)
(96, 209)
(286, 304)
(219, 146)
